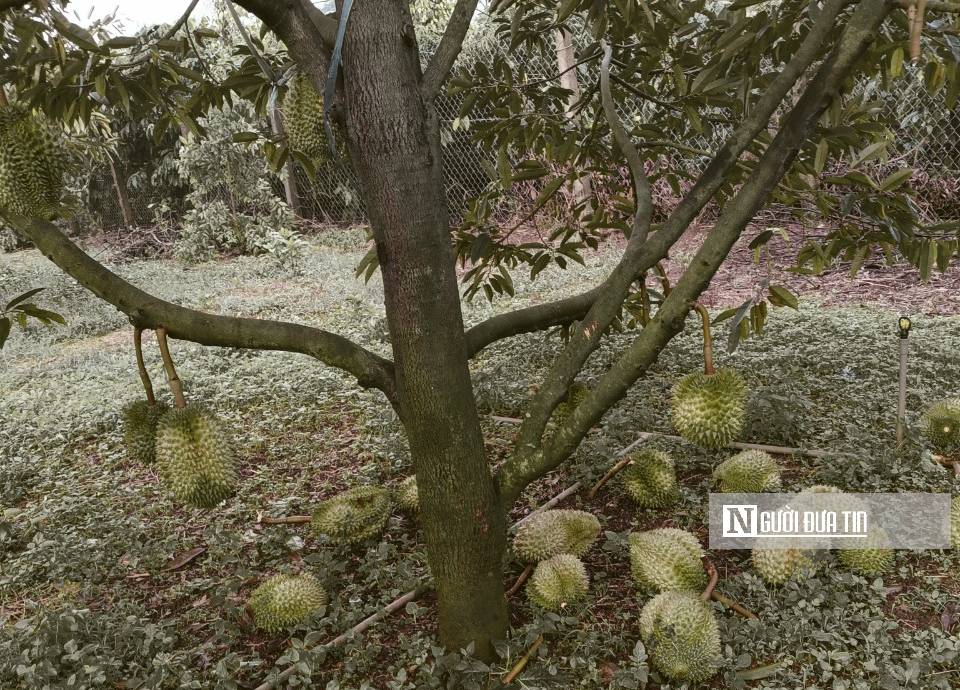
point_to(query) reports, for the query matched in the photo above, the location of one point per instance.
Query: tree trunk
(394, 143)
(120, 185)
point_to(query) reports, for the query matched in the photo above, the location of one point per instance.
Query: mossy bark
(394, 143)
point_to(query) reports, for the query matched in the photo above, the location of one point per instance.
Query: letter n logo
(740, 521)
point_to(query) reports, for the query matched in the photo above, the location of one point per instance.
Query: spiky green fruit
(32, 161)
(553, 532)
(408, 497)
(955, 522)
(303, 118)
(651, 479)
(558, 581)
(285, 600)
(667, 559)
(776, 566)
(821, 489)
(140, 429)
(708, 409)
(875, 559)
(681, 636)
(195, 456)
(942, 425)
(748, 472)
(576, 394)
(353, 516)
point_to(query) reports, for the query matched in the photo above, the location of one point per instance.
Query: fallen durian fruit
(708, 407)
(303, 119)
(873, 560)
(748, 472)
(32, 162)
(667, 559)
(140, 420)
(286, 600)
(651, 479)
(942, 425)
(195, 456)
(353, 516)
(408, 497)
(553, 532)
(776, 566)
(955, 523)
(681, 636)
(558, 581)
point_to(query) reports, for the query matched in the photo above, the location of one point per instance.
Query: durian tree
(779, 77)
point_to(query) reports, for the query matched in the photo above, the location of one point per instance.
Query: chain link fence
(928, 138)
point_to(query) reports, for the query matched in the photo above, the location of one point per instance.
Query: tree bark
(394, 143)
(120, 185)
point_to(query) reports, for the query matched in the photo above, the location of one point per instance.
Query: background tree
(779, 72)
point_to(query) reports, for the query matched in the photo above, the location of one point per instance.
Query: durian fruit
(821, 489)
(651, 479)
(776, 566)
(576, 394)
(553, 532)
(873, 560)
(353, 516)
(708, 409)
(667, 559)
(140, 429)
(32, 161)
(955, 522)
(942, 421)
(558, 581)
(748, 472)
(285, 600)
(408, 498)
(303, 118)
(195, 456)
(681, 636)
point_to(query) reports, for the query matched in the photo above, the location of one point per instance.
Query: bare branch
(438, 69)
(148, 311)
(860, 32)
(641, 185)
(932, 5)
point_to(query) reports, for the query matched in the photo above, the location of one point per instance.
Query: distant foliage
(234, 209)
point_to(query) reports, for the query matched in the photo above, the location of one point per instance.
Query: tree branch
(932, 5)
(303, 28)
(575, 308)
(147, 311)
(442, 60)
(860, 32)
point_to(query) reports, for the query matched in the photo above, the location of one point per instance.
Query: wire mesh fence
(927, 138)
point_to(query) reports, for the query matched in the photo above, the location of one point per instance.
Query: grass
(86, 599)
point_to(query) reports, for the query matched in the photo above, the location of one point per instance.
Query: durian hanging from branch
(194, 452)
(708, 407)
(32, 162)
(140, 418)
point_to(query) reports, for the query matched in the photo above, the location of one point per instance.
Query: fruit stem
(664, 279)
(3, 97)
(176, 387)
(142, 368)
(714, 576)
(522, 663)
(707, 339)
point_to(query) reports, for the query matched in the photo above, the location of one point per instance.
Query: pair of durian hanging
(554, 540)
(190, 446)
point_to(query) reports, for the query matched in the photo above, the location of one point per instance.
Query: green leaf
(733, 340)
(820, 160)
(782, 297)
(22, 298)
(759, 672)
(896, 179)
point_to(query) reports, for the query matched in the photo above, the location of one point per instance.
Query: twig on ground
(287, 520)
(731, 604)
(522, 663)
(609, 475)
(520, 580)
(714, 577)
